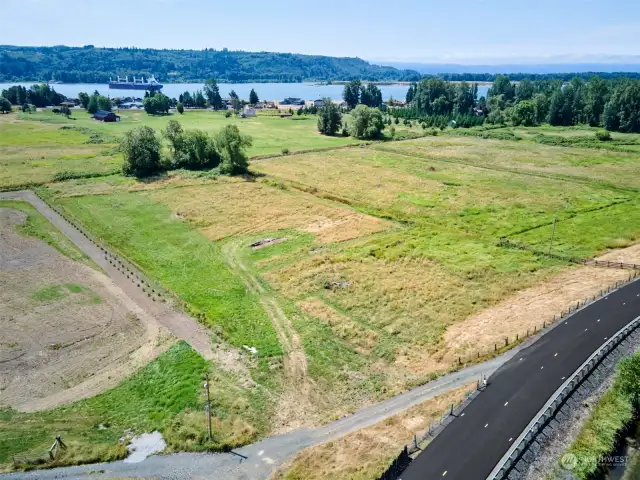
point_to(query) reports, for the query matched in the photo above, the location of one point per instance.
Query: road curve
(471, 446)
(262, 457)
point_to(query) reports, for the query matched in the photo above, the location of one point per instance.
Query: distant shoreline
(227, 82)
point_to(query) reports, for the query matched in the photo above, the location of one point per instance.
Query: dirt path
(296, 406)
(179, 324)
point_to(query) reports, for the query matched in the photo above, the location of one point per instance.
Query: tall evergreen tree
(351, 93)
(253, 97)
(212, 92)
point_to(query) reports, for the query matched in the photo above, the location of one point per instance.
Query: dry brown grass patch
(530, 307)
(363, 339)
(365, 454)
(352, 174)
(231, 208)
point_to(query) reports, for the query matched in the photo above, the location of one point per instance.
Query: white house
(249, 112)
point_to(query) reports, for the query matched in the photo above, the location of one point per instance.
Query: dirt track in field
(295, 407)
(68, 332)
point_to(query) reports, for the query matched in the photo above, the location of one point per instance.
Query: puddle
(144, 445)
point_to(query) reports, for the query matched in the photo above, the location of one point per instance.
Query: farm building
(249, 112)
(104, 116)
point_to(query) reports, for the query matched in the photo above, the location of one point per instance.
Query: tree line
(189, 149)
(40, 95)
(96, 65)
(613, 104)
(565, 77)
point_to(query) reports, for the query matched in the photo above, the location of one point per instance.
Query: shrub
(285, 151)
(227, 114)
(180, 108)
(141, 150)
(603, 136)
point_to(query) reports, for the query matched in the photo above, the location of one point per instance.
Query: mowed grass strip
(33, 152)
(174, 253)
(270, 134)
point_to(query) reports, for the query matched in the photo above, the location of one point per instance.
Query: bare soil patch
(68, 332)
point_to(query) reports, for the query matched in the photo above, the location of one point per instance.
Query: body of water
(265, 91)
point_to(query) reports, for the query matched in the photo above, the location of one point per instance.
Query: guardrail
(556, 401)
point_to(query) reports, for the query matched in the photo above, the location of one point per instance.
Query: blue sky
(459, 31)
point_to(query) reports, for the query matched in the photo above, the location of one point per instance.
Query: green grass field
(34, 147)
(381, 248)
(166, 395)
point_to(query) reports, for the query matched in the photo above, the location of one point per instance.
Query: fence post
(506, 341)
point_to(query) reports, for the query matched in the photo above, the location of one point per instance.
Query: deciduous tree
(5, 105)
(140, 148)
(329, 117)
(231, 145)
(366, 122)
(351, 93)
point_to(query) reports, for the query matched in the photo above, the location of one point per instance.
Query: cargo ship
(137, 84)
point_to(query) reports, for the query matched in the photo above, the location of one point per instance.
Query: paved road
(264, 456)
(471, 446)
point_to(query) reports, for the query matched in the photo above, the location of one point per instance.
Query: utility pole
(206, 386)
(553, 232)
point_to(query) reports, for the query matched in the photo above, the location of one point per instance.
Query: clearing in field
(368, 260)
(342, 276)
(68, 331)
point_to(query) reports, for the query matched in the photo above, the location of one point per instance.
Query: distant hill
(95, 65)
(542, 68)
